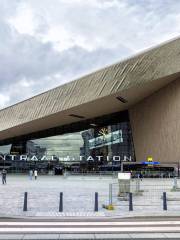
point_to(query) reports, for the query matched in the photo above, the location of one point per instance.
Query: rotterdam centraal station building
(125, 112)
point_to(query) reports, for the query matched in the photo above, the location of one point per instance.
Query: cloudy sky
(45, 43)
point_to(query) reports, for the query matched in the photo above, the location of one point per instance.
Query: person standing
(30, 174)
(4, 173)
(35, 174)
(141, 176)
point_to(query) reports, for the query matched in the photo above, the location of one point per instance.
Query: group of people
(33, 173)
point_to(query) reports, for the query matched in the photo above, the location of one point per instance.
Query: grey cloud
(24, 57)
(109, 30)
(101, 32)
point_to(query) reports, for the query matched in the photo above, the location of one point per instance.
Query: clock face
(103, 132)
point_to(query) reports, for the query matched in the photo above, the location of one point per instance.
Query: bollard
(96, 202)
(25, 202)
(130, 202)
(164, 201)
(61, 202)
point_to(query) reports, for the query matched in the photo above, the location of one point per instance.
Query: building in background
(28, 148)
(130, 109)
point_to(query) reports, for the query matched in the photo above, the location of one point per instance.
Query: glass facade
(95, 149)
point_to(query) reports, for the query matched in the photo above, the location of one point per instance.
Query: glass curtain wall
(92, 150)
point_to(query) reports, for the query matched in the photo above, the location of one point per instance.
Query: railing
(146, 196)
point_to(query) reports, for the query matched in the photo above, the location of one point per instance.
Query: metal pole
(178, 170)
(61, 202)
(137, 184)
(175, 183)
(25, 202)
(122, 167)
(110, 194)
(130, 202)
(164, 201)
(96, 202)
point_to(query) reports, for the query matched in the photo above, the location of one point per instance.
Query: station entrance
(99, 147)
(96, 146)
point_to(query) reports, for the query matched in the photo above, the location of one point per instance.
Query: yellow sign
(149, 159)
(103, 132)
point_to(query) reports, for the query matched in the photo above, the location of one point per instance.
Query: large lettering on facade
(65, 159)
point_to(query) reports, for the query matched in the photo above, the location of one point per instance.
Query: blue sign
(151, 163)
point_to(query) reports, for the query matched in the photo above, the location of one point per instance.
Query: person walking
(4, 173)
(30, 174)
(35, 174)
(141, 176)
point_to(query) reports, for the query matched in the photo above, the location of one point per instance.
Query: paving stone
(172, 235)
(77, 236)
(70, 214)
(11, 236)
(112, 236)
(147, 235)
(41, 237)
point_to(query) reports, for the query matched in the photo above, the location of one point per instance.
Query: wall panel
(155, 123)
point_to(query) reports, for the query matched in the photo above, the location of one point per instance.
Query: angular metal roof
(95, 94)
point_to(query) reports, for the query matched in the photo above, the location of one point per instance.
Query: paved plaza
(43, 195)
(78, 191)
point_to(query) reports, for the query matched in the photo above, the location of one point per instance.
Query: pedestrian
(35, 174)
(141, 176)
(30, 174)
(4, 173)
